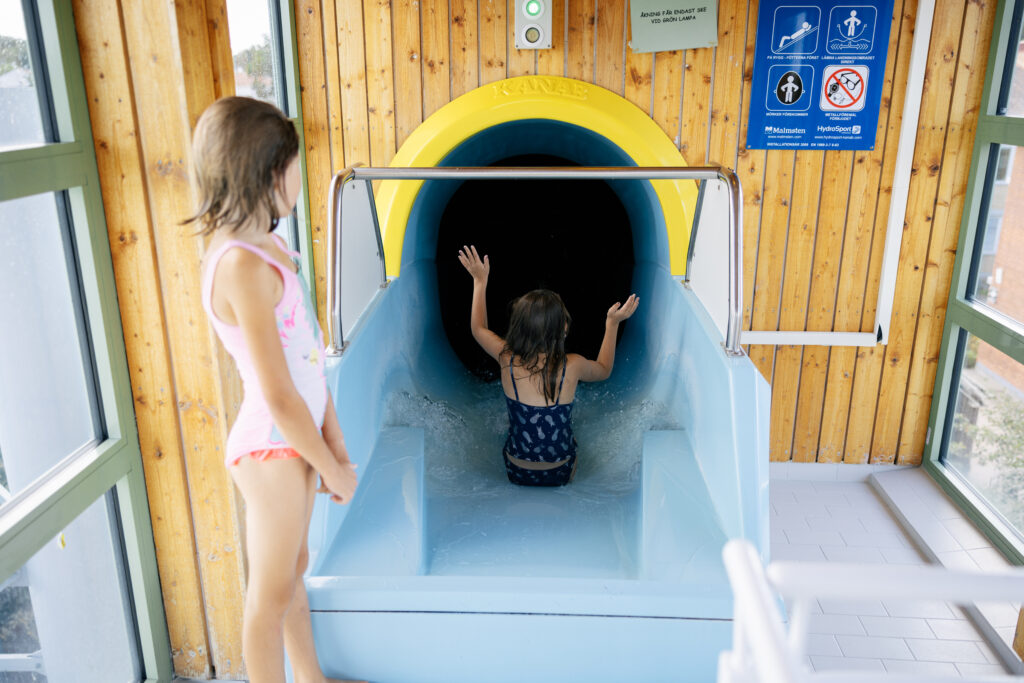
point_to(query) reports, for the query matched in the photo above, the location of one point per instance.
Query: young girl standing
(538, 377)
(247, 174)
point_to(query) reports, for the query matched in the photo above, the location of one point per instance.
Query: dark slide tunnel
(570, 236)
(580, 238)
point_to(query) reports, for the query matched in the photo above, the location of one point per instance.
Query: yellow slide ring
(538, 97)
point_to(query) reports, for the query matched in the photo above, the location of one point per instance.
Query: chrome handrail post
(335, 196)
(732, 328)
(376, 232)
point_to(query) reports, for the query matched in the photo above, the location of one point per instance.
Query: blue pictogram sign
(817, 74)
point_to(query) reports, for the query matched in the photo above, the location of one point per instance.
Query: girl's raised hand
(477, 267)
(619, 312)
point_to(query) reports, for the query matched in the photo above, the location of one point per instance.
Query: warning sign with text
(815, 64)
(665, 25)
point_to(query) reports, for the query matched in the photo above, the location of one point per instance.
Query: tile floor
(846, 521)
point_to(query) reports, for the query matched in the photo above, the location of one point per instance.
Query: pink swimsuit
(254, 431)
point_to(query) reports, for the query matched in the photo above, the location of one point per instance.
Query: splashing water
(464, 440)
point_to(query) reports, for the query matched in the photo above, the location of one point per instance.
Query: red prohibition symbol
(844, 81)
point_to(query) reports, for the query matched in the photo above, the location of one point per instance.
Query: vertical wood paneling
(609, 35)
(464, 45)
(549, 62)
(835, 190)
(322, 92)
(778, 188)
(727, 87)
(696, 117)
(964, 106)
(856, 250)
(493, 46)
(525, 62)
(580, 57)
(380, 80)
(668, 93)
(799, 254)
(168, 98)
(408, 72)
(353, 78)
(322, 136)
(222, 61)
(868, 365)
(133, 250)
(437, 85)
(750, 164)
(931, 133)
(639, 76)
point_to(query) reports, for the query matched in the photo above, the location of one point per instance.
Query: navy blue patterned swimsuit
(541, 434)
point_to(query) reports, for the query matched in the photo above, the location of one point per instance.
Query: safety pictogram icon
(843, 88)
(790, 87)
(795, 29)
(851, 29)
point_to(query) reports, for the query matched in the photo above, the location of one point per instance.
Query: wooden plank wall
(815, 221)
(150, 70)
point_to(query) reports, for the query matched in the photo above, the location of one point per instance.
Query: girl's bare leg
(277, 496)
(298, 631)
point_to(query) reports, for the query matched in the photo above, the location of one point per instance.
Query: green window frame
(965, 315)
(34, 515)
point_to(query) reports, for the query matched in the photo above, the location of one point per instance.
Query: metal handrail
(334, 329)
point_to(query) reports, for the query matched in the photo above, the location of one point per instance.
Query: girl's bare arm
(480, 269)
(601, 369)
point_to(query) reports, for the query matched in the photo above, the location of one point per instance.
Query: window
(79, 597)
(263, 47)
(1004, 166)
(977, 421)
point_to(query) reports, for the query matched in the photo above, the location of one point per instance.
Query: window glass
(999, 279)
(64, 613)
(255, 33)
(20, 119)
(988, 428)
(254, 49)
(1004, 164)
(47, 410)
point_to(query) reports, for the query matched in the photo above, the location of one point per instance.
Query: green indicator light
(532, 8)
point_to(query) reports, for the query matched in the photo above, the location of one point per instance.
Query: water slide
(440, 569)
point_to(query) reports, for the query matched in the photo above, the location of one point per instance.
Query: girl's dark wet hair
(537, 326)
(240, 150)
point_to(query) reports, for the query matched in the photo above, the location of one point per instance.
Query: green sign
(665, 25)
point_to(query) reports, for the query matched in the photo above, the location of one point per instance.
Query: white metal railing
(763, 651)
(344, 179)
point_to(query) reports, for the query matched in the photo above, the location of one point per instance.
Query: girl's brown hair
(240, 150)
(537, 326)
